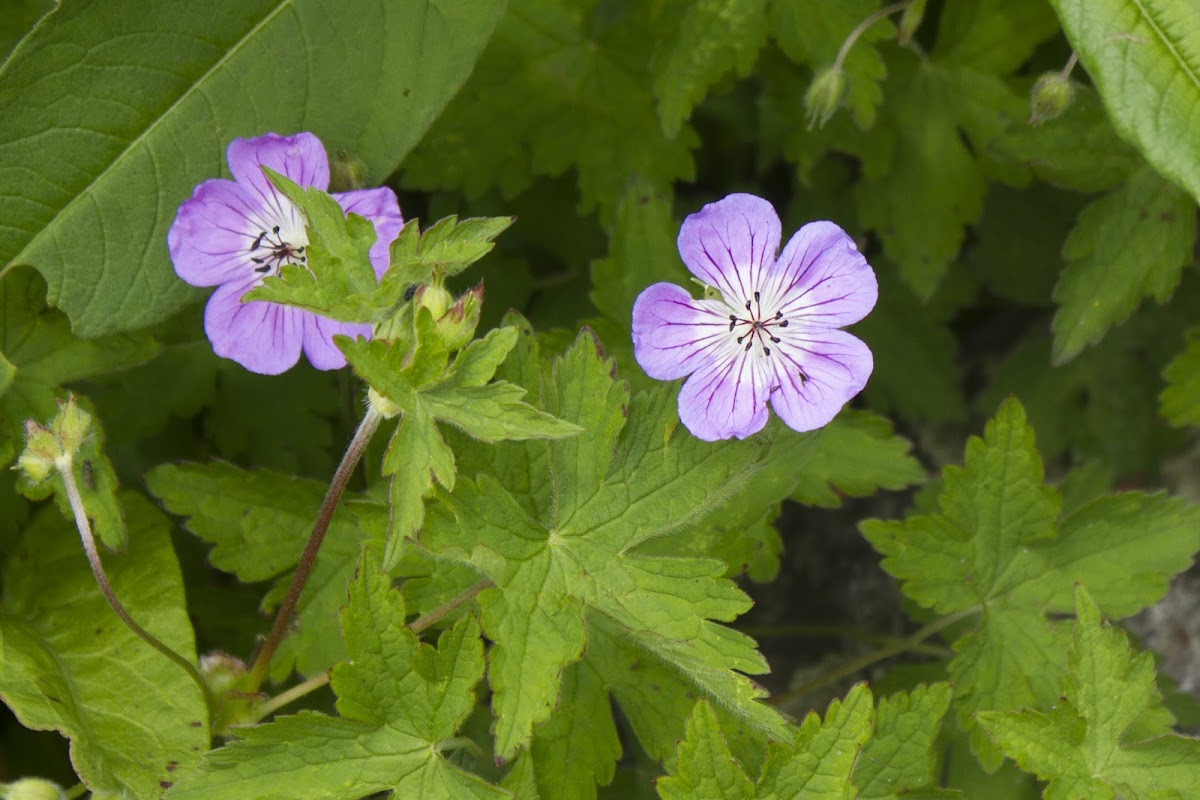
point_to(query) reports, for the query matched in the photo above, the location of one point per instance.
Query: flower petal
(726, 398)
(383, 209)
(263, 337)
(318, 339)
(675, 334)
(300, 157)
(210, 239)
(835, 366)
(729, 244)
(821, 280)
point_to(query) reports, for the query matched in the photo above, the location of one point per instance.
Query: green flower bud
(41, 451)
(910, 20)
(457, 326)
(1052, 94)
(346, 173)
(824, 96)
(32, 789)
(72, 425)
(435, 297)
(221, 671)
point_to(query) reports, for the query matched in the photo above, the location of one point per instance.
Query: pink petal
(318, 339)
(674, 334)
(210, 239)
(726, 398)
(836, 366)
(730, 243)
(821, 280)
(383, 209)
(300, 157)
(262, 337)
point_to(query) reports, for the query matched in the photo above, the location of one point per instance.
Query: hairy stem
(93, 556)
(864, 26)
(337, 486)
(291, 695)
(421, 623)
(904, 645)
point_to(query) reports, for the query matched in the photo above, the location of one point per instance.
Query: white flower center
(754, 326)
(272, 249)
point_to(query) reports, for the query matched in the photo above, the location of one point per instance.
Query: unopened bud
(1051, 95)
(221, 671)
(824, 96)
(346, 173)
(37, 461)
(72, 425)
(457, 326)
(32, 789)
(435, 297)
(910, 20)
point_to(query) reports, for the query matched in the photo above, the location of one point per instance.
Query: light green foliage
(1125, 246)
(135, 718)
(447, 248)
(337, 279)
(856, 455)
(855, 752)
(97, 156)
(1108, 736)
(258, 522)
(996, 36)
(428, 391)
(559, 88)
(1141, 56)
(999, 547)
(400, 703)
(714, 38)
(1181, 397)
(38, 355)
(563, 565)
(811, 32)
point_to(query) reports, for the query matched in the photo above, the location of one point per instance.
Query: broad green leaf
(336, 279)
(1181, 397)
(447, 248)
(997, 545)
(494, 412)
(98, 154)
(557, 90)
(135, 719)
(856, 455)
(715, 37)
(1083, 747)
(899, 758)
(812, 31)
(996, 36)
(19, 18)
(259, 522)
(1130, 244)
(400, 703)
(415, 458)
(1144, 58)
(614, 486)
(41, 356)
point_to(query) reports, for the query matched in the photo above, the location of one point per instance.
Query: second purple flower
(771, 335)
(233, 234)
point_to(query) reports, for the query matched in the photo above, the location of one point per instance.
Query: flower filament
(277, 252)
(759, 325)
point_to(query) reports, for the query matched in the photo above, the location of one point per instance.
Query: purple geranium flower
(768, 332)
(233, 234)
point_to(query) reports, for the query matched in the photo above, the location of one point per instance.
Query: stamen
(747, 305)
(783, 324)
(778, 315)
(766, 350)
(756, 297)
(748, 344)
(275, 230)
(739, 341)
(732, 322)
(775, 339)
(263, 270)
(258, 241)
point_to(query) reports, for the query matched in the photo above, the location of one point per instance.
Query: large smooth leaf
(111, 111)
(1144, 57)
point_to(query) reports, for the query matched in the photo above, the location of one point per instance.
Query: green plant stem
(904, 645)
(93, 556)
(421, 623)
(333, 496)
(316, 682)
(842, 632)
(78, 790)
(864, 26)
(291, 695)
(1070, 65)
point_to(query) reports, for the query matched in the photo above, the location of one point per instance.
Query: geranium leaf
(1181, 397)
(135, 718)
(400, 703)
(152, 119)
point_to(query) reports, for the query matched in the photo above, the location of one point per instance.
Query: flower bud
(72, 425)
(221, 671)
(346, 173)
(824, 96)
(435, 297)
(41, 451)
(32, 789)
(910, 20)
(1051, 95)
(457, 326)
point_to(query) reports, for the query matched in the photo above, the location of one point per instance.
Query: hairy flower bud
(435, 297)
(41, 451)
(346, 173)
(32, 789)
(824, 96)
(1051, 95)
(457, 325)
(910, 20)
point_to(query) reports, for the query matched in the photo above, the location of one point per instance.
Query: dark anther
(783, 324)
(263, 270)
(257, 260)
(766, 350)
(747, 305)
(775, 339)
(732, 323)
(258, 241)
(739, 341)
(756, 297)
(275, 229)
(803, 378)
(748, 344)
(778, 315)
(411, 289)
